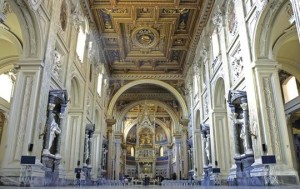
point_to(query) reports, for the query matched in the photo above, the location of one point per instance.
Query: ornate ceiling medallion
(145, 37)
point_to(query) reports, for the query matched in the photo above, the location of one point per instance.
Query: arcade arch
(175, 120)
(148, 81)
(221, 130)
(276, 50)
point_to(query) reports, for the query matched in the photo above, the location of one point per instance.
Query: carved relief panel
(58, 62)
(236, 63)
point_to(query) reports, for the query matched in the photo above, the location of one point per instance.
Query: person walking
(78, 177)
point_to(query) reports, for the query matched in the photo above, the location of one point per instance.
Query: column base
(11, 176)
(205, 181)
(88, 180)
(255, 174)
(283, 175)
(54, 172)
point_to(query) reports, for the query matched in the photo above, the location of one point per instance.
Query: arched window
(99, 86)
(132, 151)
(290, 89)
(6, 84)
(161, 151)
(203, 77)
(81, 38)
(215, 45)
(196, 89)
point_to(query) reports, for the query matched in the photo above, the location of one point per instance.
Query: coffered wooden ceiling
(149, 36)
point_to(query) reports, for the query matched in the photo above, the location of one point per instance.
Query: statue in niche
(207, 149)
(87, 152)
(243, 138)
(253, 131)
(54, 130)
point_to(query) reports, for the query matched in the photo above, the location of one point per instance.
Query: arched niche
(76, 96)
(31, 31)
(147, 81)
(11, 46)
(286, 52)
(97, 120)
(220, 126)
(175, 120)
(269, 26)
(219, 94)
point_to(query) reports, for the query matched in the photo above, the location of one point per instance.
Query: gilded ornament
(182, 25)
(108, 25)
(145, 37)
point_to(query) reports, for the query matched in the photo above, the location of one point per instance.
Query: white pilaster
(23, 114)
(117, 157)
(296, 10)
(274, 133)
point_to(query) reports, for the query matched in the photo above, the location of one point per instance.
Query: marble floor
(163, 187)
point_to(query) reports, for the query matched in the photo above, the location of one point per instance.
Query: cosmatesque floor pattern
(160, 187)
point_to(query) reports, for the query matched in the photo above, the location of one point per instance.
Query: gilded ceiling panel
(148, 36)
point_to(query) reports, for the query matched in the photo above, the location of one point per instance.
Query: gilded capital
(110, 122)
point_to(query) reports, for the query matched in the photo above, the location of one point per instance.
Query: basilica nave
(183, 93)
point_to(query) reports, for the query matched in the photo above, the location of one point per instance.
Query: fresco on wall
(160, 135)
(131, 137)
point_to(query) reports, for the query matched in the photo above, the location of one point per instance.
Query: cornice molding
(202, 22)
(147, 76)
(135, 96)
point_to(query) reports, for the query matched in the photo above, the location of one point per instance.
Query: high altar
(145, 147)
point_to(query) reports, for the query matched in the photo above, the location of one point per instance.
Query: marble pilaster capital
(77, 16)
(218, 19)
(110, 122)
(264, 63)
